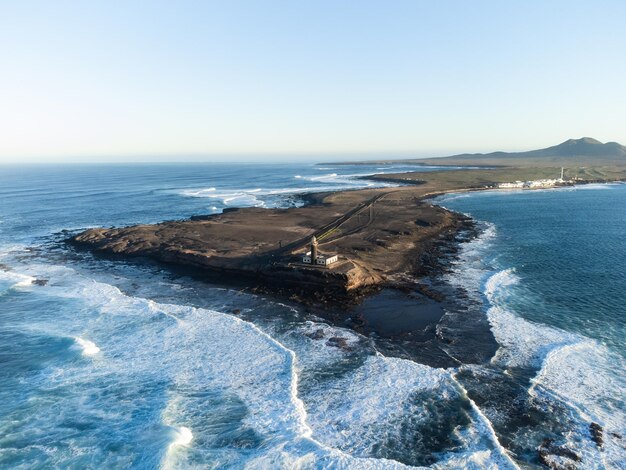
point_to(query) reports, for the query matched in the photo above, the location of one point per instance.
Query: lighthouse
(313, 250)
(316, 258)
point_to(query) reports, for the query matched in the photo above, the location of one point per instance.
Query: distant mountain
(572, 148)
(573, 152)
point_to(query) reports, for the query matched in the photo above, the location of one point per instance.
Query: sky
(288, 80)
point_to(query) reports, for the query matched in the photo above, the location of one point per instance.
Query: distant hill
(585, 147)
(573, 152)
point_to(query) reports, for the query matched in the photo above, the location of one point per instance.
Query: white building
(517, 184)
(326, 260)
(314, 257)
(543, 183)
(321, 260)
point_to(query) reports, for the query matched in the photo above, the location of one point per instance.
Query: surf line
(485, 421)
(305, 430)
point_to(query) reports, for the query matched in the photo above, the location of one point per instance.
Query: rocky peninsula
(384, 237)
(381, 236)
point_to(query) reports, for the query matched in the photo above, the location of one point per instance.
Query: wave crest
(87, 347)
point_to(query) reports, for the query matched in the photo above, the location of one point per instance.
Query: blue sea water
(551, 269)
(108, 364)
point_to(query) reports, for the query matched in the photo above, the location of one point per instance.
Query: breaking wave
(16, 281)
(244, 197)
(212, 386)
(570, 370)
(87, 347)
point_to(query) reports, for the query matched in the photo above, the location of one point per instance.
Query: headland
(383, 237)
(380, 236)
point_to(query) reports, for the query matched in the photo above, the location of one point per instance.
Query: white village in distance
(538, 184)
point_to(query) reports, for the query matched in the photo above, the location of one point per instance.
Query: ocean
(114, 364)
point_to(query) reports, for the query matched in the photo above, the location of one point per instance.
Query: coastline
(399, 273)
(279, 271)
(345, 296)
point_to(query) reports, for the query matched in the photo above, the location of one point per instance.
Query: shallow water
(118, 365)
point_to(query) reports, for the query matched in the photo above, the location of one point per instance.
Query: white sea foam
(237, 197)
(314, 348)
(595, 186)
(469, 267)
(87, 347)
(204, 192)
(323, 177)
(183, 436)
(254, 197)
(14, 280)
(243, 197)
(500, 458)
(358, 411)
(351, 412)
(11, 249)
(588, 379)
(452, 197)
(202, 346)
(26, 281)
(573, 370)
(497, 284)
(578, 374)
(347, 180)
(198, 350)
(522, 343)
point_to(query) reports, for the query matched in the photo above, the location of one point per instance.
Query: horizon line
(275, 157)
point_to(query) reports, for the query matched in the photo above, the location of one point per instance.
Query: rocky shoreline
(307, 286)
(393, 260)
(387, 239)
(384, 238)
(413, 294)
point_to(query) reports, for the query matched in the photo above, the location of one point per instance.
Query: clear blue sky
(181, 80)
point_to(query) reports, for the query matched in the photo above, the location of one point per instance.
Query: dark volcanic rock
(557, 457)
(317, 334)
(338, 342)
(596, 432)
(201, 217)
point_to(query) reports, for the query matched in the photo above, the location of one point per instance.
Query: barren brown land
(379, 235)
(383, 237)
